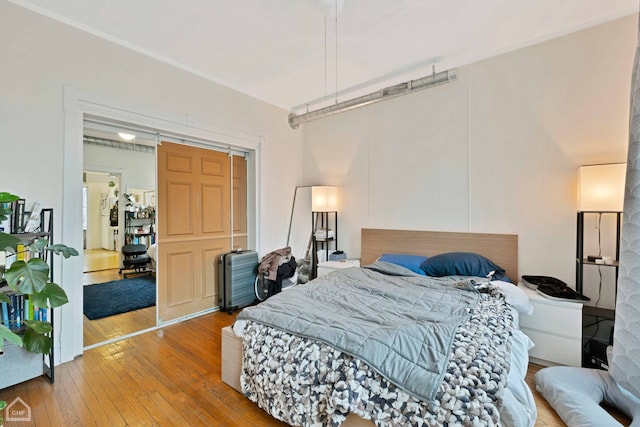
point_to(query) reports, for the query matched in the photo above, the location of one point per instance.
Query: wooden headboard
(502, 249)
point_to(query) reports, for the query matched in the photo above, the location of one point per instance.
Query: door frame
(80, 104)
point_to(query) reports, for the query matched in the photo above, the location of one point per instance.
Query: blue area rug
(119, 296)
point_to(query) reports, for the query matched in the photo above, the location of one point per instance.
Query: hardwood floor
(100, 259)
(101, 330)
(166, 377)
(105, 329)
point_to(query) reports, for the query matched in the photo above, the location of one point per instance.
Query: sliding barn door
(194, 227)
(239, 199)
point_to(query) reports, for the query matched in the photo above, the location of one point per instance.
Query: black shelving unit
(138, 230)
(46, 224)
(322, 223)
(597, 322)
(597, 335)
(581, 258)
(45, 231)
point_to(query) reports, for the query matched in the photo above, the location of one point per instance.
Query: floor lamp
(324, 201)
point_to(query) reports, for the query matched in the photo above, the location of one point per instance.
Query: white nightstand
(329, 266)
(556, 329)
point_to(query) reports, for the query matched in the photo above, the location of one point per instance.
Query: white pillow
(515, 296)
(576, 394)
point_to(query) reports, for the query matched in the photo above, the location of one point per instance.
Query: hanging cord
(325, 59)
(599, 254)
(596, 323)
(599, 234)
(336, 51)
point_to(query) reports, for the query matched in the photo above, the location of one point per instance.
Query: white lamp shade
(324, 198)
(601, 187)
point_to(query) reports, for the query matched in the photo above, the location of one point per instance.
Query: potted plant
(31, 278)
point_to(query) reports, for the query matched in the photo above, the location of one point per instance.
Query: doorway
(118, 209)
(100, 234)
(80, 105)
(120, 177)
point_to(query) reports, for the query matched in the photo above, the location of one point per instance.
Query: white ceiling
(277, 50)
(110, 131)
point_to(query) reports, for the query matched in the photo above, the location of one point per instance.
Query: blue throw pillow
(462, 264)
(412, 262)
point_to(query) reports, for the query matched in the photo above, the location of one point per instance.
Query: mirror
(299, 238)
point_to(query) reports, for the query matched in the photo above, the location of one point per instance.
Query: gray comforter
(403, 331)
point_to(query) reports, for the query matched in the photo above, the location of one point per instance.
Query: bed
(409, 350)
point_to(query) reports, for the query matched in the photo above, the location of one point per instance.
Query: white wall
(497, 151)
(40, 56)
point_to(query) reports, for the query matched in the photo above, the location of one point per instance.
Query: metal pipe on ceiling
(94, 140)
(389, 92)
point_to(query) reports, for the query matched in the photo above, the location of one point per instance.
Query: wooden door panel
(214, 215)
(215, 192)
(180, 266)
(239, 195)
(211, 255)
(191, 269)
(194, 212)
(214, 165)
(179, 161)
(178, 209)
(178, 280)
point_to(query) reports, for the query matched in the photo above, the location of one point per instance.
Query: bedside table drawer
(555, 327)
(554, 349)
(555, 320)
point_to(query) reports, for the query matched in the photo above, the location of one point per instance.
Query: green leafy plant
(30, 277)
(3, 405)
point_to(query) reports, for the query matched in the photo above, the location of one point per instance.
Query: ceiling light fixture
(126, 136)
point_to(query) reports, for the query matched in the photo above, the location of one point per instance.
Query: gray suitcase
(237, 273)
